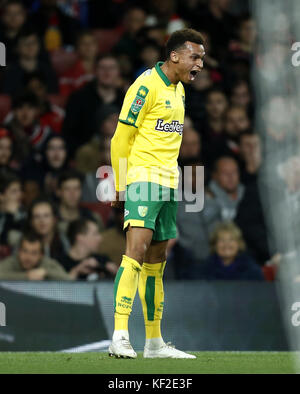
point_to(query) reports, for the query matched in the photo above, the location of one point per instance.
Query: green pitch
(206, 362)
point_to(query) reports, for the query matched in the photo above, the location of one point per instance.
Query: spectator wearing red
(83, 70)
(50, 114)
(24, 124)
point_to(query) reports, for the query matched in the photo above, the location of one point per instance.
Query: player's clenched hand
(117, 203)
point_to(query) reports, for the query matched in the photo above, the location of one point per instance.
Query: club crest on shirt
(142, 210)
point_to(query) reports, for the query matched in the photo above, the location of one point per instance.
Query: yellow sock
(125, 287)
(151, 293)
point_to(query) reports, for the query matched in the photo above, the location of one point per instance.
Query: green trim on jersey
(161, 73)
(136, 106)
(129, 124)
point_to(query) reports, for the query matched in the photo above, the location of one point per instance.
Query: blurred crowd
(69, 64)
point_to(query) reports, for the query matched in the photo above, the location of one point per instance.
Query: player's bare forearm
(119, 154)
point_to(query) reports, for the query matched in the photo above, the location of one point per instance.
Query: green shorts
(153, 206)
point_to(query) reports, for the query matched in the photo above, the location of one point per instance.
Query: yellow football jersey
(155, 107)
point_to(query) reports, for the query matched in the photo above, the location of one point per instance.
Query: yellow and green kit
(144, 152)
(149, 136)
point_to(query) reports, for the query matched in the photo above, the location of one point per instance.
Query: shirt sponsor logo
(174, 127)
(126, 212)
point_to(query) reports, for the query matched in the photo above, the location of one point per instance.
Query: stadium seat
(104, 210)
(5, 104)
(107, 38)
(62, 60)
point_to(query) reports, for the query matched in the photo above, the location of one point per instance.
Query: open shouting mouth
(193, 74)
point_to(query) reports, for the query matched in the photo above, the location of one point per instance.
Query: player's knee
(161, 257)
(137, 251)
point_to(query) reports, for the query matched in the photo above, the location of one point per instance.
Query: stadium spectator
(236, 122)
(243, 46)
(42, 219)
(192, 246)
(12, 214)
(195, 97)
(50, 114)
(69, 192)
(6, 149)
(190, 146)
(149, 55)
(31, 191)
(224, 192)
(13, 18)
(111, 18)
(214, 18)
(30, 263)
(164, 13)
(54, 27)
(154, 33)
(240, 96)
(251, 156)
(83, 260)
(23, 123)
(211, 62)
(228, 260)
(250, 219)
(134, 20)
(214, 125)
(84, 106)
(228, 199)
(90, 155)
(93, 90)
(83, 70)
(45, 169)
(28, 61)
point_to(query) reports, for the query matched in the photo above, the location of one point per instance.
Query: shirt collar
(161, 73)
